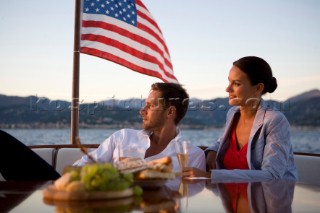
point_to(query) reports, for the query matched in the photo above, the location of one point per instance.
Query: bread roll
(152, 174)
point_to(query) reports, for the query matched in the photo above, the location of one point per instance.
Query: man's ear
(172, 111)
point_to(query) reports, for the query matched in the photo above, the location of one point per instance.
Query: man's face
(153, 113)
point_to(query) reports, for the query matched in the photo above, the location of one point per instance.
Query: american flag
(123, 31)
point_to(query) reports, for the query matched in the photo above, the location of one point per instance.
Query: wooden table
(196, 196)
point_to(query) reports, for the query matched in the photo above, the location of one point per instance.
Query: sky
(204, 37)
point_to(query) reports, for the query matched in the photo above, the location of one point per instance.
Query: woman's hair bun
(272, 85)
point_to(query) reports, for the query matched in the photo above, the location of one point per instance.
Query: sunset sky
(204, 37)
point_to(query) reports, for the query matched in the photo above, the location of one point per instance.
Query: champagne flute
(182, 153)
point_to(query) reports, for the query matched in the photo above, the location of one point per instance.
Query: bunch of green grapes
(104, 177)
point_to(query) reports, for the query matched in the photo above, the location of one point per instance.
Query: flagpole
(74, 129)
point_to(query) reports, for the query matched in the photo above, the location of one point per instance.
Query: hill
(34, 112)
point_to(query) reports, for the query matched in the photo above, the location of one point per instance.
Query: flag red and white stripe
(125, 32)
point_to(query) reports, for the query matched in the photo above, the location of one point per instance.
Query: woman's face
(241, 91)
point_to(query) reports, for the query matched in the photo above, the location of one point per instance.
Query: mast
(74, 129)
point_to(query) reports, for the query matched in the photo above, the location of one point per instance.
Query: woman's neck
(249, 111)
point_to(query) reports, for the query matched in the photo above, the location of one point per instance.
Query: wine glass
(182, 153)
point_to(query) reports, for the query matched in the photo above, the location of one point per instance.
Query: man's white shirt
(134, 143)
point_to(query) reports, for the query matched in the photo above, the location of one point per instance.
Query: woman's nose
(228, 88)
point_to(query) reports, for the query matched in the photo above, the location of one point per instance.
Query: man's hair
(173, 95)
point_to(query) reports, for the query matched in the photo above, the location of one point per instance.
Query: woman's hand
(194, 172)
(211, 160)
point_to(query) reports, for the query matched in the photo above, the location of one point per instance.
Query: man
(165, 106)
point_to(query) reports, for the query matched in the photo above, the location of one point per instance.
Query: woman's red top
(234, 157)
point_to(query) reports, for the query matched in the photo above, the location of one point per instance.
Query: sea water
(305, 140)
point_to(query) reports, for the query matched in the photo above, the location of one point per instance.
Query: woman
(256, 141)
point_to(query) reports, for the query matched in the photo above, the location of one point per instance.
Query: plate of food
(154, 173)
(92, 182)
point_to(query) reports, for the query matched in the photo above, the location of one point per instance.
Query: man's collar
(149, 133)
